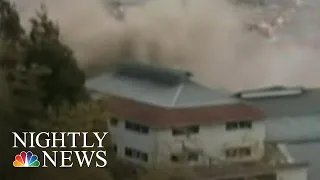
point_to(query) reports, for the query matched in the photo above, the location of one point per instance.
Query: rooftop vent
(274, 91)
(153, 73)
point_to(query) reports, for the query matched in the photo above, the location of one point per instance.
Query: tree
(42, 46)
(83, 117)
(10, 28)
(39, 72)
(25, 86)
(86, 117)
(66, 82)
(6, 123)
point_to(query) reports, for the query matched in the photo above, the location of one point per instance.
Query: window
(193, 157)
(136, 127)
(231, 153)
(244, 152)
(190, 157)
(128, 152)
(231, 126)
(245, 125)
(238, 152)
(133, 153)
(174, 158)
(128, 125)
(193, 129)
(113, 121)
(144, 157)
(185, 130)
(144, 129)
(238, 125)
(178, 131)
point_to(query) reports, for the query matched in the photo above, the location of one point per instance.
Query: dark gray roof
(293, 129)
(292, 104)
(128, 2)
(152, 73)
(308, 152)
(293, 112)
(158, 86)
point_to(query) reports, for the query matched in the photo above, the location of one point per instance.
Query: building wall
(213, 140)
(160, 144)
(293, 174)
(121, 137)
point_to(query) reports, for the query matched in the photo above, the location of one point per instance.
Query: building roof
(302, 128)
(294, 108)
(280, 101)
(274, 160)
(129, 2)
(309, 152)
(158, 86)
(244, 170)
(161, 117)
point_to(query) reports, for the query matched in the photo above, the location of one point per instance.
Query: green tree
(66, 82)
(83, 117)
(42, 46)
(25, 86)
(86, 117)
(10, 28)
(6, 123)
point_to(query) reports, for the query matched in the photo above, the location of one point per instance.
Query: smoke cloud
(207, 37)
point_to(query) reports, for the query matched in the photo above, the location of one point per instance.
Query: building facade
(160, 115)
(203, 143)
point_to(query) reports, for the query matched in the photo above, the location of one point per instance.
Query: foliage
(37, 71)
(6, 123)
(66, 81)
(41, 47)
(86, 117)
(10, 28)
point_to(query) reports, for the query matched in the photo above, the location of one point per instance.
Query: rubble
(268, 27)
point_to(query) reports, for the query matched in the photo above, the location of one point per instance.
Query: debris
(298, 3)
(267, 28)
(117, 10)
(262, 27)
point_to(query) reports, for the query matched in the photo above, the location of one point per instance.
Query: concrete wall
(213, 140)
(160, 143)
(293, 174)
(122, 138)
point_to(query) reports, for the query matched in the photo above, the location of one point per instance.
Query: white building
(162, 116)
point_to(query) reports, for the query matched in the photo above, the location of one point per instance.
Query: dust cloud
(208, 37)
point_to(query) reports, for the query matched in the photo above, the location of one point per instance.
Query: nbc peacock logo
(26, 159)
